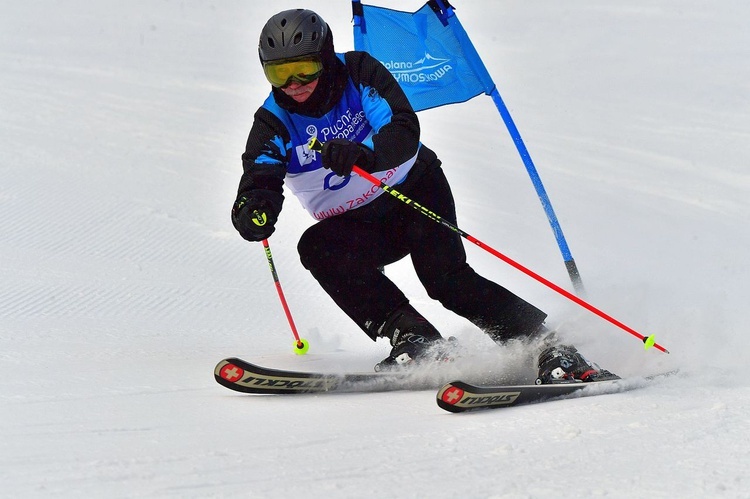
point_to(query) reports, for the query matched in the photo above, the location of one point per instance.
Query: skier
(352, 104)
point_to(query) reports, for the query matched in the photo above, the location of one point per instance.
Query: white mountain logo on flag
(428, 68)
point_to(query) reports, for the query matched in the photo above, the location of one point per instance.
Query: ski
(459, 396)
(242, 376)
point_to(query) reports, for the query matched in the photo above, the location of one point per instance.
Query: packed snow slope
(123, 282)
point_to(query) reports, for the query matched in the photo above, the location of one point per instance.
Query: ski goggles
(303, 70)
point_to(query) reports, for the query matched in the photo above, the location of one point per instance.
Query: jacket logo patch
(305, 155)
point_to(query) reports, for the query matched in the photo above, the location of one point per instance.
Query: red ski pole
(648, 341)
(301, 346)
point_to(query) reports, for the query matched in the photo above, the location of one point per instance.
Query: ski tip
(449, 396)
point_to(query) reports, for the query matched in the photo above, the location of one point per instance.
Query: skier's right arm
(264, 163)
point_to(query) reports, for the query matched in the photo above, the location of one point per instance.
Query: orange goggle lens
(281, 73)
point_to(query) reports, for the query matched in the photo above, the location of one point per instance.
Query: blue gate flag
(434, 61)
(427, 52)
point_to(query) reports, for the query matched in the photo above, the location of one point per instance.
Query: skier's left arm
(395, 125)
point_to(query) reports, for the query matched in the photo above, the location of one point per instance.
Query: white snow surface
(123, 282)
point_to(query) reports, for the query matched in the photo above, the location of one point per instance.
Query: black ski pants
(344, 253)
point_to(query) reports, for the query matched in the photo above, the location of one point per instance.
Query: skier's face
(299, 92)
(296, 77)
(303, 70)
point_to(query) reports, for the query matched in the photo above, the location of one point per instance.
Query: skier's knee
(309, 251)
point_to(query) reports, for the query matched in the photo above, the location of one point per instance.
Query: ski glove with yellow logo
(340, 156)
(254, 217)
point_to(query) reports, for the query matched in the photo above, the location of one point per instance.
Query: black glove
(254, 217)
(340, 156)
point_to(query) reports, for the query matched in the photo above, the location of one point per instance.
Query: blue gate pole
(570, 264)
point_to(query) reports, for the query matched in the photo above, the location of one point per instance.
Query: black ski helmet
(292, 33)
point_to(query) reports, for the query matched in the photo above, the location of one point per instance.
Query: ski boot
(414, 341)
(564, 364)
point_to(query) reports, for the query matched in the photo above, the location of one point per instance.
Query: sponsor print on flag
(433, 60)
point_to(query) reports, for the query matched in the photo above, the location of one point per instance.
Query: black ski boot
(564, 364)
(414, 340)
